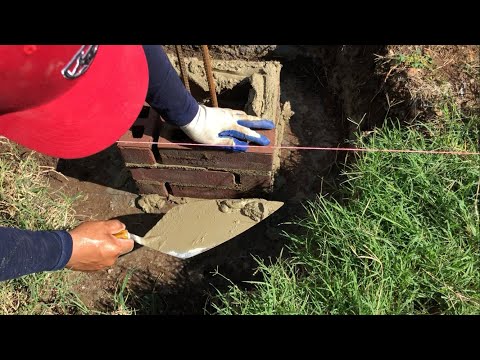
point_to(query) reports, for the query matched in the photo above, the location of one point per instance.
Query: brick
(143, 132)
(259, 158)
(216, 159)
(184, 176)
(137, 155)
(169, 135)
(251, 181)
(147, 127)
(152, 188)
(206, 192)
(145, 112)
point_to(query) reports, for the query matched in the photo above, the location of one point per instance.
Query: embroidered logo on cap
(80, 62)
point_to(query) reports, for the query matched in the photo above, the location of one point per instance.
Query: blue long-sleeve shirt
(25, 252)
(166, 92)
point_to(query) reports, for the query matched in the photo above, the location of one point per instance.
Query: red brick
(251, 181)
(169, 135)
(152, 188)
(138, 150)
(185, 176)
(216, 159)
(137, 155)
(205, 192)
(150, 129)
(259, 158)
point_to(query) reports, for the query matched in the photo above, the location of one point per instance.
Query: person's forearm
(25, 252)
(166, 92)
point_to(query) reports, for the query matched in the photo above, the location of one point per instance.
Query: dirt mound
(418, 79)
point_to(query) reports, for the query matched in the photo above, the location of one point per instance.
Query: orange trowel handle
(122, 234)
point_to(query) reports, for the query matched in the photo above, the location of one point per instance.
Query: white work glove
(232, 128)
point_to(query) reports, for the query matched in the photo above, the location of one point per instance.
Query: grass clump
(415, 59)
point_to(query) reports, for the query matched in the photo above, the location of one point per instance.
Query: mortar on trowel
(192, 228)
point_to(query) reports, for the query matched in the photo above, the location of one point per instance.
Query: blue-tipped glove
(231, 128)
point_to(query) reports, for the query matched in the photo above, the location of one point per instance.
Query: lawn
(400, 236)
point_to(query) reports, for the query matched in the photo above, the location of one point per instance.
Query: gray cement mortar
(228, 52)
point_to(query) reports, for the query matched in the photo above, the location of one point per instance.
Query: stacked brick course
(196, 171)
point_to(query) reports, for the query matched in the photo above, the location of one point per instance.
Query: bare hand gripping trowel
(192, 228)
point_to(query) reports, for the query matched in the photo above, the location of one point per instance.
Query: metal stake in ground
(181, 63)
(208, 70)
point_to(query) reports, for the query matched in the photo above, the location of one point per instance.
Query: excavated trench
(325, 86)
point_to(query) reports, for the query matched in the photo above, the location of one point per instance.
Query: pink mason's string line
(441, 152)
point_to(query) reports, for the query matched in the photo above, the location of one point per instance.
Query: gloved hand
(220, 126)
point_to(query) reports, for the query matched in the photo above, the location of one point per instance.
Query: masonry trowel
(192, 228)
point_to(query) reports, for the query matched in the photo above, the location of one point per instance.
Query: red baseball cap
(70, 101)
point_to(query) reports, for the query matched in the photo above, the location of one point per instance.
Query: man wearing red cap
(71, 101)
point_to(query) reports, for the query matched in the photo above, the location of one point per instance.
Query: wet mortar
(210, 223)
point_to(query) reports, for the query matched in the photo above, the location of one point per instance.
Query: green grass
(121, 296)
(415, 59)
(27, 202)
(402, 237)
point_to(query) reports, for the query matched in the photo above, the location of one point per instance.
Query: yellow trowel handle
(122, 235)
